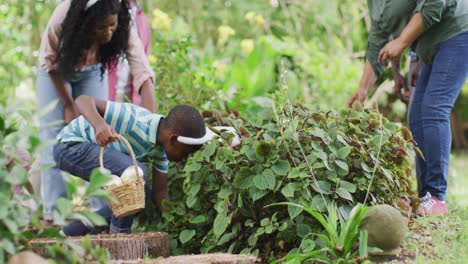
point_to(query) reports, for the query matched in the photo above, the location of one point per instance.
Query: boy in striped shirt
(154, 138)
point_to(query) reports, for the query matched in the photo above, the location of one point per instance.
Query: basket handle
(129, 147)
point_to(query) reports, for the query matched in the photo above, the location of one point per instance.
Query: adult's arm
(368, 80)
(143, 74)
(47, 55)
(410, 33)
(70, 109)
(427, 14)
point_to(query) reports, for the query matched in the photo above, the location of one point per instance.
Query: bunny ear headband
(210, 135)
(91, 3)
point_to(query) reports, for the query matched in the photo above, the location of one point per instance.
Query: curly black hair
(78, 34)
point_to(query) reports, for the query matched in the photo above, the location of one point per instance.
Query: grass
(442, 239)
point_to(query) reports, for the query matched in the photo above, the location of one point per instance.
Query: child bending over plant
(153, 138)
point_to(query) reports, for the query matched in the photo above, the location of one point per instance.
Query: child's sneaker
(431, 205)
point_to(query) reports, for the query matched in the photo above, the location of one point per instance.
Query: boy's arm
(159, 189)
(93, 110)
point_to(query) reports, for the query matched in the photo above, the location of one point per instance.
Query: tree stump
(218, 258)
(120, 246)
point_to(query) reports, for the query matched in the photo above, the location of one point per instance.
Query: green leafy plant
(341, 236)
(287, 155)
(67, 252)
(18, 221)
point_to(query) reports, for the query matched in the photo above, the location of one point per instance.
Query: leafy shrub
(292, 155)
(18, 221)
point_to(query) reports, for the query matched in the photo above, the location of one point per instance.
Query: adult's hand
(414, 72)
(105, 134)
(391, 51)
(70, 112)
(401, 88)
(360, 95)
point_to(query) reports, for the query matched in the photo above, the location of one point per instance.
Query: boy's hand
(105, 134)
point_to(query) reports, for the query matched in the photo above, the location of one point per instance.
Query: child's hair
(78, 30)
(185, 121)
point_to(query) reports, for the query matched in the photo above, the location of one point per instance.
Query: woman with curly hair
(82, 39)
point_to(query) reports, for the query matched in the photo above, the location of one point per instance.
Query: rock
(386, 227)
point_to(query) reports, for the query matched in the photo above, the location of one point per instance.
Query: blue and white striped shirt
(138, 125)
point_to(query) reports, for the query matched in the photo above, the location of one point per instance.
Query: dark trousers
(79, 159)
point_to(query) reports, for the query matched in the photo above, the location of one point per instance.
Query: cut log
(218, 258)
(27, 257)
(120, 246)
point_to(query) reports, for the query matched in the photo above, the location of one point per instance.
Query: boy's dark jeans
(79, 159)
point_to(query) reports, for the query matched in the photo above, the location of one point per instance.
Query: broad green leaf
(210, 149)
(266, 180)
(270, 178)
(303, 230)
(198, 219)
(225, 238)
(64, 206)
(321, 155)
(190, 201)
(281, 167)
(252, 241)
(294, 211)
(322, 187)
(256, 194)
(296, 173)
(194, 166)
(99, 178)
(264, 221)
(220, 224)
(194, 189)
(342, 165)
(317, 132)
(288, 190)
(8, 246)
(365, 167)
(186, 235)
(259, 182)
(244, 178)
(348, 186)
(343, 152)
(343, 193)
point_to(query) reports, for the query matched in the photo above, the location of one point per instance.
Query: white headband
(208, 136)
(91, 3)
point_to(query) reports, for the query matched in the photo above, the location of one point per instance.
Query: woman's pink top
(137, 59)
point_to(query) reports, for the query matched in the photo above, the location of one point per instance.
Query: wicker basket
(130, 195)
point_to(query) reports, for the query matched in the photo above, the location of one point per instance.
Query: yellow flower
(219, 67)
(258, 20)
(161, 20)
(249, 16)
(152, 59)
(247, 45)
(254, 18)
(224, 32)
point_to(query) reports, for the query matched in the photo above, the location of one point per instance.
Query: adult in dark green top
(437, 30)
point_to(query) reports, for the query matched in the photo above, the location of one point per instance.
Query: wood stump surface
(120, 246)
